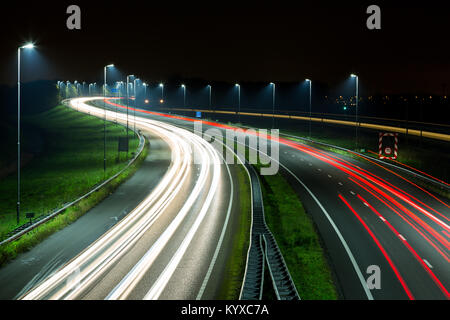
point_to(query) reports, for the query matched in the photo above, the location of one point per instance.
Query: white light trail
(92, 263)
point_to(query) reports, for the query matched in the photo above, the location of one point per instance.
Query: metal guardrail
(444, 136)
(264, 249)
(27, 227)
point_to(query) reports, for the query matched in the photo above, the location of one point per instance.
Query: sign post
(388, 151)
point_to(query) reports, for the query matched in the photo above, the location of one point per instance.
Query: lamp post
(238, 86)
(128, 98)
(145, 91)
(135, 100)
(310, 108)
(161, 85)
(209, 87)
(26, 46)
(356, 111)
(273, 104)
(184, 94)
(118, 87)
(104, 119)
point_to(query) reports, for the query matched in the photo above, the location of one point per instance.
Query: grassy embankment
(70, 164)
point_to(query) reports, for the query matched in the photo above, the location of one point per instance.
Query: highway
(164, 248)
(368, 217)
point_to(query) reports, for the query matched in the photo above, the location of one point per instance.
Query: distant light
(345, 108)
(146, 100)
(307, 80)
(272, 83)
(161, 101)
(110, 66)
(28, 46)
(353, 75)
(236, 85)
(161, 85)
(183, 86)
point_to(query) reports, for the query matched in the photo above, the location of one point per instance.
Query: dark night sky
(233, 41)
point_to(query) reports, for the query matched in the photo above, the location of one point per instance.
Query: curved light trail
(89, 266)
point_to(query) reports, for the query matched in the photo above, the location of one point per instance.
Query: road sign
(123, 144)
(388, 149)
(30, 215)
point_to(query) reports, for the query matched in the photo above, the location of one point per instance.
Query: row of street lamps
(161, 85)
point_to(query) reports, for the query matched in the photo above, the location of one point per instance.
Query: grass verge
(298, 240)
(10, 250)
(67, 163)
(235, 267)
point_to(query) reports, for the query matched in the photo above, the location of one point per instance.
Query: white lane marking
(366, 204)
(383, 219)
(428, 264)
(329, 176)
(340, 183)
(335, 228)
(320, 170)
(353, 193)
(402, 237)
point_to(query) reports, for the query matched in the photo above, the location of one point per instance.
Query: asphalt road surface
(369, 217)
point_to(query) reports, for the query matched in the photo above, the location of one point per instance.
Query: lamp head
(28, 46)
(353, 75)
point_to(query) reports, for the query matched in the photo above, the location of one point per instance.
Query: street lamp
(118, 87)
(26, 46)
(161, 85)
(135, 100)
(209, 87)
(104, 119)
(145, 92)
(310, 109)
(238, 86)
(273, 104)
(356, 111)
(184, 94)
(128, 98)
